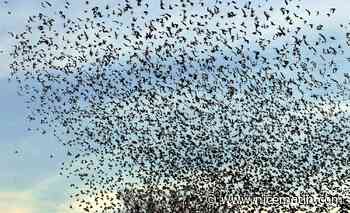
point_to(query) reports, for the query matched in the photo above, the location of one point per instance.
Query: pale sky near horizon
(29, 180)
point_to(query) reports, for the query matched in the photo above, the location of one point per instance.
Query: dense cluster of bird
(161, 102)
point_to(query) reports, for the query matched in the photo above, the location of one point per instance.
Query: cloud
(41, 197)
(15, 210)
(16, 202)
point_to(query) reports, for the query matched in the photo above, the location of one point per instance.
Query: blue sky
(29, 181)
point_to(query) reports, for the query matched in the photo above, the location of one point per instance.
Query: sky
(31, 173)
(29, 180)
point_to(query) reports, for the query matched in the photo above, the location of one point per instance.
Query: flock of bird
(163, 104)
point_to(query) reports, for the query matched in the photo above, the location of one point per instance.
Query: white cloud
(35, 199)
(16, 202)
